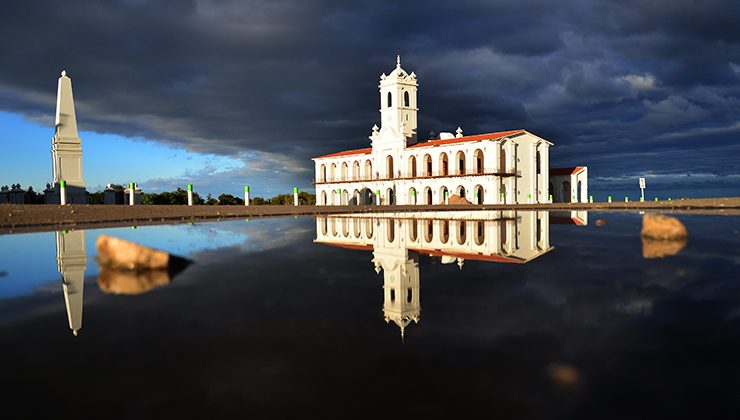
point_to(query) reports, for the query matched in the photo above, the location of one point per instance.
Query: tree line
(180, 197)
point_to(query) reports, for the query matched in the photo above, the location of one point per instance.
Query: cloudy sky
(228, 93)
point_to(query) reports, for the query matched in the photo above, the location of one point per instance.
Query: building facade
(504, 167)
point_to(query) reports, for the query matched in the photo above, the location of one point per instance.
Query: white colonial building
(496, 168)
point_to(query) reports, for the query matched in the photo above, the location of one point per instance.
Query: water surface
(494, 314)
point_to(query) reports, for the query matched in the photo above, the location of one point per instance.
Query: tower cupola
(398, 106)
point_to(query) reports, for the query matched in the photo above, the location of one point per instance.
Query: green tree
(229, 200)
(97, 197)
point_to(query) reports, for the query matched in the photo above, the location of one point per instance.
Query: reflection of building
(71, 262)
(494, 168)
(573, 217)
(396, 240)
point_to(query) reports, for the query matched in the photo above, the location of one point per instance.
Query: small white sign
(642, 182)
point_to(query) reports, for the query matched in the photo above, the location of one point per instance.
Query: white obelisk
(66, 149)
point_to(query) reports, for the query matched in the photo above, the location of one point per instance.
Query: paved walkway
(35, 218)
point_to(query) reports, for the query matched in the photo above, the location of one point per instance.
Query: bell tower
(398, 106)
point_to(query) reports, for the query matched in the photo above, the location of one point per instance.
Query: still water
(457, 315)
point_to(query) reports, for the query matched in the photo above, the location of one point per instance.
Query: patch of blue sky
(28, 261)
(26, 151)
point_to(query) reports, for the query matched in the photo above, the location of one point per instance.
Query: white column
(246, 195)
(63, 192)
(190, 194)
(131, 193)
(295, 196)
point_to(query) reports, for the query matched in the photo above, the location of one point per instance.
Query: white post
(131, 194)
(377, 197)
(190, 194)
(295, 196)
(642, 189)
(63, 192)
(246, 195)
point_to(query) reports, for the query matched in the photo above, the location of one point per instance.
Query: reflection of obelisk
(66, 149)
(71, 262)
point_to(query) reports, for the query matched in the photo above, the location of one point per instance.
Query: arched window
(389, 166)
(461, 191)
(428, 166)
(322, 172)
(444, 231)
(478, 161)
(429, 195)
(333, 172)
(443, 194)
(323, 198)
(413, 230)
(461, 233)
(390, 223)
(578, 193)
(390, 100)
(539, 171)
(356, 171)
(480, 232)
(406, 100)
(429, 230)
(344, 171)
(369, 228)
(412, 196)
(502, 161)
(461, 163)
(409, 295)
(391, 197)
(368, 169)
(345, 197)
(356, 231)
(412, 167)
(443, 164)
(478, 194)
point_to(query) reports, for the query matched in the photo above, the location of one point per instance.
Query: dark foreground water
(509, 315)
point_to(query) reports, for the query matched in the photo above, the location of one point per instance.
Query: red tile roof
(432, 143)
(566, 171)
(477, 137)
(365, 151)
(433, 253)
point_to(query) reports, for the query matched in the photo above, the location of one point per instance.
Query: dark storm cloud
(625, 87)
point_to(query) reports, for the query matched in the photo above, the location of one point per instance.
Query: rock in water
(124, 255)
(663, 228)
(652, 248)
(131, 282)
(456, 199)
